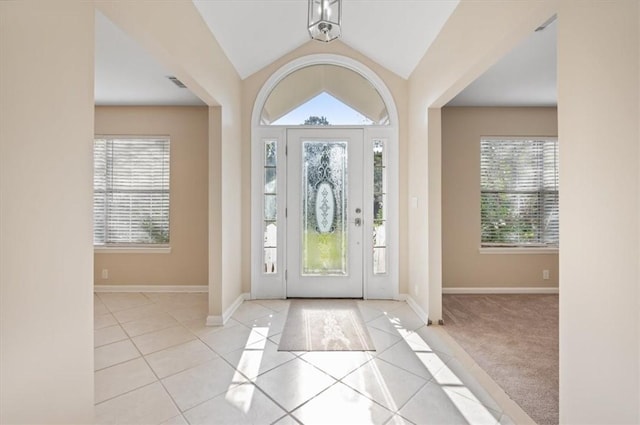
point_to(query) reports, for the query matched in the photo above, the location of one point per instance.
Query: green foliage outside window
(314, 120)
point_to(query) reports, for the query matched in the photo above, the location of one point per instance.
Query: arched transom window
(324, 94)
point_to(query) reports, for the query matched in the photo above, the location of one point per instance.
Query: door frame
(273, 285)
(351, 284)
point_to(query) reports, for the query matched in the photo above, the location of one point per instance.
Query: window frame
(135, 247)
(522, 248)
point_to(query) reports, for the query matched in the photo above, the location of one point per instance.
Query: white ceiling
(524, 77)
(379, 29)
(255, 33)
(125, 74)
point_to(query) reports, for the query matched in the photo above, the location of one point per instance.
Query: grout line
(249, 381)
(144, 294)
(340, 380)
(254, 380)
(111, 342)
(398, 408)
(285, 416)
(119, 363)
(171, 325)
(149, 366)
(157, 377)
(410, 372)
(168, 346)
(124, 393)
(315, 396)
(200, 363)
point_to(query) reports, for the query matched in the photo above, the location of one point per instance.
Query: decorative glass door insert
(324, 208)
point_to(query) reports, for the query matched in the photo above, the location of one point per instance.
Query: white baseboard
(150, 288)
(226, 315)
(502, 290)
(415, 307)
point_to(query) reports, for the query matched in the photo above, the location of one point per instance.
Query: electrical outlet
(105, 273)
(545, 274)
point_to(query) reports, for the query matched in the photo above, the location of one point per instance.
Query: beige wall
(476, 35)
(252, 85)
(174, 33)
(46, 113)
(598, 127)
(46, 256)
(463, 265)
(187, 127)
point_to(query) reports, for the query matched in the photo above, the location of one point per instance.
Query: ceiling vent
(177, 82)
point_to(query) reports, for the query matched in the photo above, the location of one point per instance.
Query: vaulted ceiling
(394, 33)
(255, 33)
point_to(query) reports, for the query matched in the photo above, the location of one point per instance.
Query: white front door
(324, 213)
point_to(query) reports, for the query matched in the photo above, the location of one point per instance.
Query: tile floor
(157, 363)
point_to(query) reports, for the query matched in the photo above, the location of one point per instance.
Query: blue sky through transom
(324, 104)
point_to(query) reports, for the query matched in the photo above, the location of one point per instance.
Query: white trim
(516, 138)
(325, 59)
(132, 136)
(518, 250)
(267, 285)
(151, 288)
(501, 290)
(415, 307)
(274, 286)
(214, 321)
(131, 250)
(384, 285)
(226, 315)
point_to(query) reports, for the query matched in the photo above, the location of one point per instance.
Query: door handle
(358, 222)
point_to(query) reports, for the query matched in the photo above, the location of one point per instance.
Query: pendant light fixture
(325, 17)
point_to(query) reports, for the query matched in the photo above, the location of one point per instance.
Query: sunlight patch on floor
(249, 365)
(462, 397)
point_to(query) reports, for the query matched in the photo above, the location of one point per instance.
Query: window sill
(163, 249)
(517, 250)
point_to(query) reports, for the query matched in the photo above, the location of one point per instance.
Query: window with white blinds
(131, 191)
(519, 192)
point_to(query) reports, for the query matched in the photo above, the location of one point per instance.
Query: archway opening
(334, 104)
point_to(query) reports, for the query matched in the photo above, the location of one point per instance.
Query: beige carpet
(514, 338)
(325, 325)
